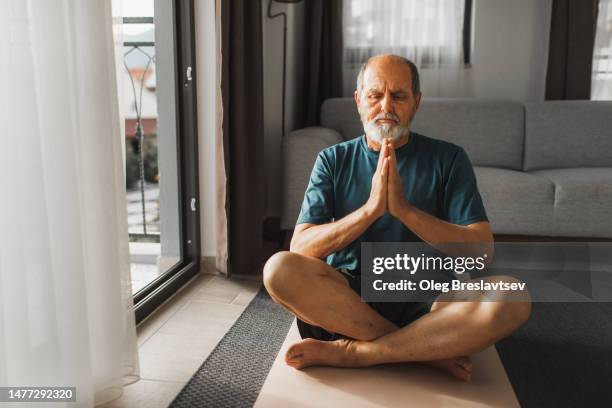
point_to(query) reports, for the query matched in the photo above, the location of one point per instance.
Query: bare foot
(344, 353)
(458, 367)
(309, 352)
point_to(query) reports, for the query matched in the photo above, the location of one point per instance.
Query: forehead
(395, 75)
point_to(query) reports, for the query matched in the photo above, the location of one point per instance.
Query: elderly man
(390, 185)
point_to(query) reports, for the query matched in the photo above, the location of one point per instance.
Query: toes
(294, 351)
(461, 374)
(294, 361)
(465, 363)
(311, 352)
(293, 358)
(460, 368)
(294, 364)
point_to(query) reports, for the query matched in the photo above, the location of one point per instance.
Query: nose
(386, 104)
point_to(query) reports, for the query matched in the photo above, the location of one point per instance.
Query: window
(601, 86)
(429, 32)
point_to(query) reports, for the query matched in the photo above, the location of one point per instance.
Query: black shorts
(401, 314)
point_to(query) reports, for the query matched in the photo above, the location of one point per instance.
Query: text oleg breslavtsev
(455, 284)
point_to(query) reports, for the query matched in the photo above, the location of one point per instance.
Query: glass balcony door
(158, 99)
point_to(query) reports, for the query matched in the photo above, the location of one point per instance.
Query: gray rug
(562, 357)
(236, 369)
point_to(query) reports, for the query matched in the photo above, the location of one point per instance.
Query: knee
(518, 302)
(507, 312)
(507, 316)
(276, 272)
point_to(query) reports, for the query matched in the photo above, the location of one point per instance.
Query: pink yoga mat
(401, 385)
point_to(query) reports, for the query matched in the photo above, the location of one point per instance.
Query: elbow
(299, 247)
(303, 250)
(307, 242)
(296, 246)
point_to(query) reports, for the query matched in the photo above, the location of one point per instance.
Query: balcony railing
(138, 127)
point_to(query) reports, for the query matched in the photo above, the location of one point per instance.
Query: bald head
(387, 59)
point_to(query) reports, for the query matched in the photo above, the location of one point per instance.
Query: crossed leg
(319, 295)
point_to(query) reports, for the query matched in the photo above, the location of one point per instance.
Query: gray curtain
(570, 57)
(241, 168)
(323, 75)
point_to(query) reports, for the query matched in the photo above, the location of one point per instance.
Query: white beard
(379, 133)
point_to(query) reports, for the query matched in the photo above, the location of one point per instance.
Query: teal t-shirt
(437, 176)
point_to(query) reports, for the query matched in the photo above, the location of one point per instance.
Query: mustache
(388, 116)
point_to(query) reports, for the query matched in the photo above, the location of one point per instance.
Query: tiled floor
(175, 341)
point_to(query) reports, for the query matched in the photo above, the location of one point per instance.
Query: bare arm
(321, 240)
(434, 230)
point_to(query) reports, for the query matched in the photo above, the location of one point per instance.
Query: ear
(417, 101)
(357, 98)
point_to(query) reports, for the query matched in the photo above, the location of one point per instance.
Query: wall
(205, 74)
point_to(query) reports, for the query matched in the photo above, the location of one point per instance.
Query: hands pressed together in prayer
(387, 193)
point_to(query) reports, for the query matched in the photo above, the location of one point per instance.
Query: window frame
(149, 298)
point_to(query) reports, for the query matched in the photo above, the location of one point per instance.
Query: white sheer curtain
(65, 291)
(428, 32)
(601, 85)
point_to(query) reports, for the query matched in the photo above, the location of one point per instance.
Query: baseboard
(208, 265)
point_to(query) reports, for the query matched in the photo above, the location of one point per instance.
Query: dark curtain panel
(323, 49)
(570, 56)
(242, 134)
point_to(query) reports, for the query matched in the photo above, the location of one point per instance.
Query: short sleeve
(318, 204)
(462, 201)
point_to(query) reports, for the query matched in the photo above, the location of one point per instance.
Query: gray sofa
(543, 169)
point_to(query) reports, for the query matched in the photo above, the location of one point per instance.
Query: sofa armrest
(299, 151)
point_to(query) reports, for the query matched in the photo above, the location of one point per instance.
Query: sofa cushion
(582, 201)
(563, 134)
(299, 152)
(516, 202)
(491, 132)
